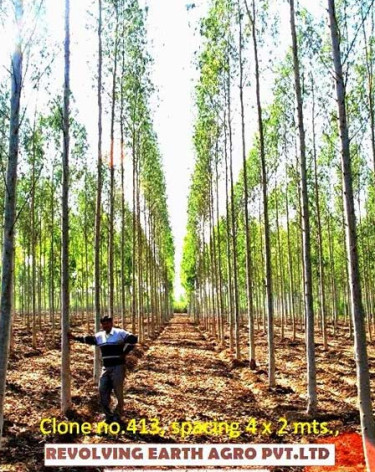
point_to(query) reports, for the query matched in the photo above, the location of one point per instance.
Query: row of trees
(105, 217)
(268, 250)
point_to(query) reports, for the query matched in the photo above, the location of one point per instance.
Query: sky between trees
(174, 42)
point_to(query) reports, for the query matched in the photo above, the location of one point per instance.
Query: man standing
(114, 344)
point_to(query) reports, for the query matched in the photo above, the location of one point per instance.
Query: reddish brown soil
(183, 375)
(349, 454)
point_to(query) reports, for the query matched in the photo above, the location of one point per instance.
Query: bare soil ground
(183, 375)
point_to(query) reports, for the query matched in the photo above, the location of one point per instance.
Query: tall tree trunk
(249, 286)
(214, 275)
(369, 51)
(122, 159)
(65, 348)
(98, 216)
(52, 260)
(147, 270)
(234, 228)
(10, 209)
(290, 266)
(40, 275)
(333, 278)
(267, 242)
(308, 288)
(139, 253)
(228, 245)
(320, 232)
(112, 174)
(13, 301)
(302, 277)
(85, 278)
(134, 233)
(28, 282)
(33, 241)
(361, 358)
(220, 279)
(281, 267)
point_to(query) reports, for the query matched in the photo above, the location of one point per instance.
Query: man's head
(107, 323)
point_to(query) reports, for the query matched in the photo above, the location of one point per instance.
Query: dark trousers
(112, 378)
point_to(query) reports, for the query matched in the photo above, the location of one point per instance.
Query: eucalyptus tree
(116, 41)
(363, 378)
(98, 216)
(308, 288)
(322, 289)
(65, 293)
(10, 205)
(4, 129)
(235, 321)
(122, 176)
(252, 15)
(367, 17)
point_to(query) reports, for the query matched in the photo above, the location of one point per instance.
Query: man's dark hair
(105, 318)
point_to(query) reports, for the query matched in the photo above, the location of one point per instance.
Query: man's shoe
(109, 419)
(117, 419)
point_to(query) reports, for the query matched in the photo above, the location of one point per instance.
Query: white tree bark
(308, 292)
(98, 193)
(360, 348)
(249, 286)
(10, 208)
(267, 240)
(65, 348)
(112, 174)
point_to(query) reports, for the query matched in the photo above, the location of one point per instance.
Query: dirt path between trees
(184, 388)
(182, 378)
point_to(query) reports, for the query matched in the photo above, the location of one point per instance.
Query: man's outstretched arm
(83, 339)
(130, 341)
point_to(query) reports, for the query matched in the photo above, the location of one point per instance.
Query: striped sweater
(114, 345)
